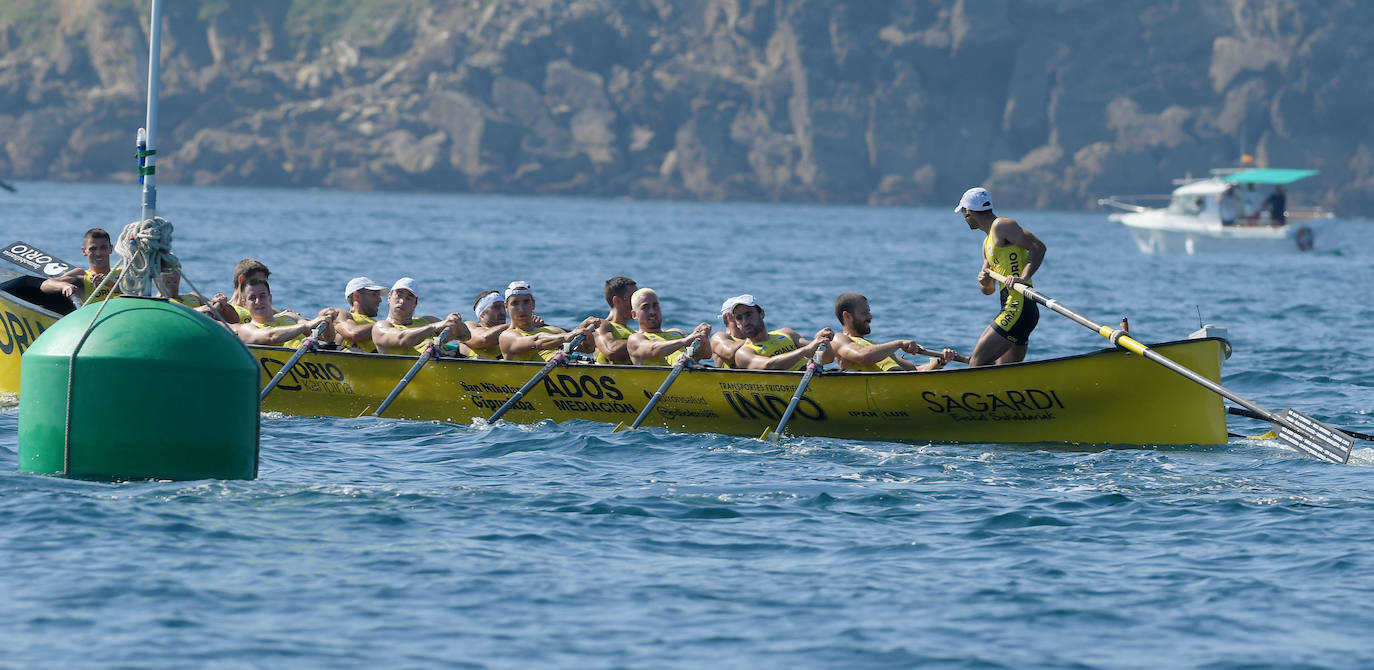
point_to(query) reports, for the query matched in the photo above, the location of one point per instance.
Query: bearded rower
(781, 349)
(355, 326)
(725, 343)
(528, 339)
(651, 345)
(401, 332)
(856, 353)
(1015, 253)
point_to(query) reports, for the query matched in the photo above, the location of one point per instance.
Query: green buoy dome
(159, 392)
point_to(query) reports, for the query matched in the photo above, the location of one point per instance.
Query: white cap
(408, 284)
(518, 287)
(359, 283)
(729, 305)
(975, 199)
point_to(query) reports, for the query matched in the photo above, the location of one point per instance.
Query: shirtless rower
(651, 345)
(77, 283)
(1015, 253)
(613, 333)
(856, 353)
(355, 326)
(527, 340)
(401, 332)
(781, 349)
(284, 329)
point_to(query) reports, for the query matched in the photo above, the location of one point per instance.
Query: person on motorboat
(1226, 206)
(781, 349)
(856, 353)
(1277, 202)
(1015, 253)
(651, 344)
(267, 326)
(490, 310)
(355, 326)
(77, 283)
(401, 332)
(725, 343)
(529, 339)
(613, 333)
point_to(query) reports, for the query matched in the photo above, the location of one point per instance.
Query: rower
(611, 336)
(354, 327)
(170, 288)
(284, 329)
(244, 270)
(528, 338)
(77, 283)
(1016, 253)
(651, 345)
(781, 349)
(401, 332)
(490, 310)
(725, 343)
(856, 353)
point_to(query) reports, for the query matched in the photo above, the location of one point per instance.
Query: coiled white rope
(146, 248)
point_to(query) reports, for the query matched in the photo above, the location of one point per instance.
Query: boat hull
(1159, 231)
(1103, 397)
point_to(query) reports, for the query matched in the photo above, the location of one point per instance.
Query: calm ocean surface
(382, 543)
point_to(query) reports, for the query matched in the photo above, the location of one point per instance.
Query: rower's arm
(349, 329)
(608, 345)
(513, 343)
(748, 358)
(641, 347)
(251, 334)
(68, 284)
(483, 336)
(387, 335)
(859, 354)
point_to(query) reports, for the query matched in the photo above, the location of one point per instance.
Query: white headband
(487, 301)
(518, 288)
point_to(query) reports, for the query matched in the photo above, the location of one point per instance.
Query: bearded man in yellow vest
(355, 326)
(1015, 253)
(781, 349)
(267, 326)
(79, 283)
(651, 345)
(613, 333)
(528, 338)
(401, 332)
(856, 353)
(726, 342)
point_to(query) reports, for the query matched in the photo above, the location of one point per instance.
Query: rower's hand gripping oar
(430, 352)
(1295, 430)
(681, 364)
(307, 345)
(935, 354)
(558, 359)
(812, 367)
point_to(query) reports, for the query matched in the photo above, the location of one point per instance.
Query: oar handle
(811, 367)
(678, 367)
(430, 352)
(307, 345)
(936, 354)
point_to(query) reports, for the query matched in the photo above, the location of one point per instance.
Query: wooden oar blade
(1315, 438)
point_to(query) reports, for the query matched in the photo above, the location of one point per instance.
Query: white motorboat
(1232, 210)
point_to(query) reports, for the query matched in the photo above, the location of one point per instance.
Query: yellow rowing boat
(1107, 396)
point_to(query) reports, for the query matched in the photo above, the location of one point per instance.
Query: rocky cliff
(1050, 103)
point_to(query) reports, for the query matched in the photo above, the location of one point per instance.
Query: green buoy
(159, 392)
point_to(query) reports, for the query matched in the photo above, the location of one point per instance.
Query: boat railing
(1134, 203)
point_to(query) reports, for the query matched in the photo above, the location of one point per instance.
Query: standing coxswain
(1015, 253)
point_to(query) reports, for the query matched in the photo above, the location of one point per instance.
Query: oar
(811, 367)
(424, 358)
(1241, 411)
(678, 367)
(935, 354)
(554, 362)
(1295, 430)
(307, 345)
(7, 187)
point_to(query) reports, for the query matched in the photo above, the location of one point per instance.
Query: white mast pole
(147, 136)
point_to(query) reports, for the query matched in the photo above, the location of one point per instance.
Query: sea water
(383, 543)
